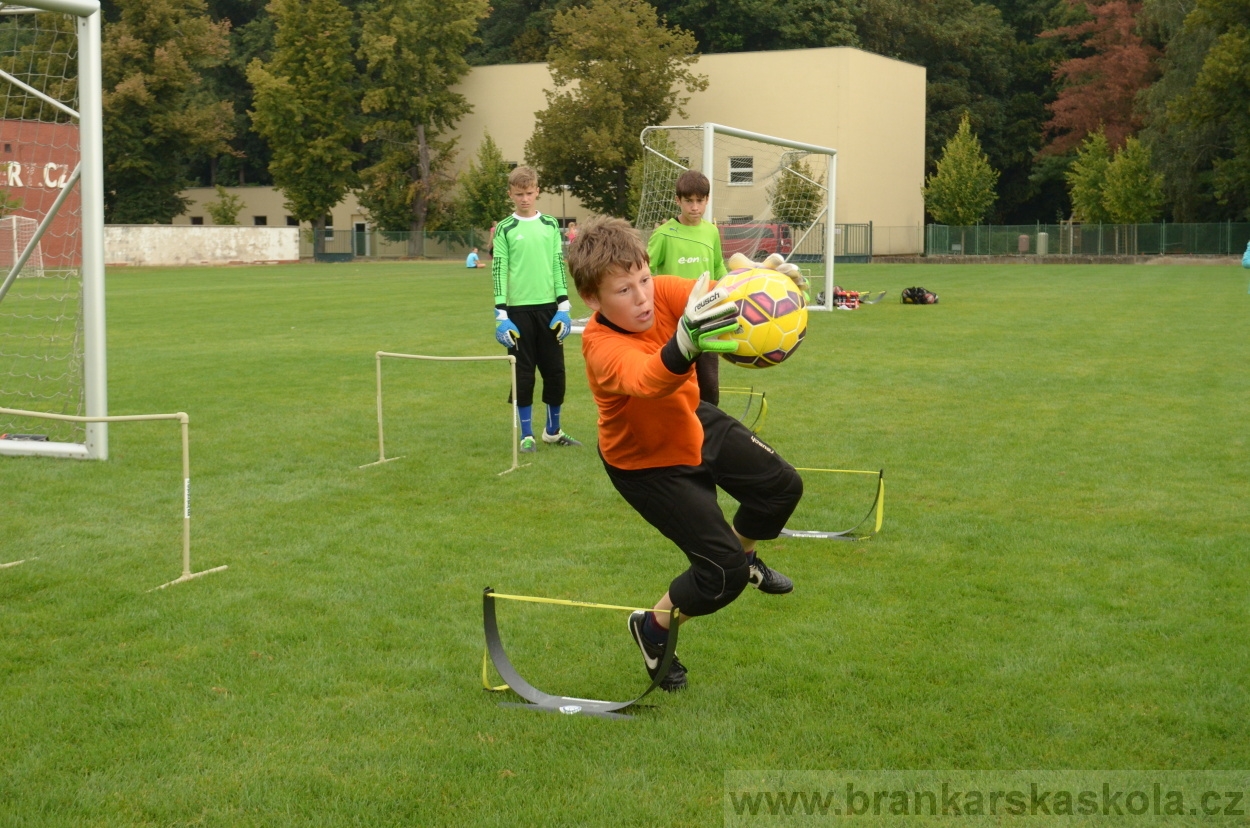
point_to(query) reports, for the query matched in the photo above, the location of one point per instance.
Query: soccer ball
(772, 317)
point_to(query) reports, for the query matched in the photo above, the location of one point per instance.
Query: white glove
(707, 316)
(775, 261)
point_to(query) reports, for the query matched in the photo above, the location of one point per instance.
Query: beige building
(869, 108)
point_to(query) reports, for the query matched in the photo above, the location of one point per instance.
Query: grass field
(1061, 582)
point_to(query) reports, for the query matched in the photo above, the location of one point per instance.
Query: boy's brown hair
(693, 183)
(602, 246)
(522, 177)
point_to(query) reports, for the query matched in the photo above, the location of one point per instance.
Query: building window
(260, 221)
(329, 226)
(741, 170)
(197, 220)
(292, 221)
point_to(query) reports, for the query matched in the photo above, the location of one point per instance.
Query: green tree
(305, 107)
(796, 195)
(414, 53)
(616, 69)
(225, 210)
(251, 37)
(961, 191)
(1132, 192)
(1087, 179)
(1217, 100)
(158, 117)
(484, 186)
(760, 25)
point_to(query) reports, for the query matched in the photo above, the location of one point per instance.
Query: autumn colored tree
(1099, 90)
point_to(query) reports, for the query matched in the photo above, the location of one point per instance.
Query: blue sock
(553, 420)
(652, 631)
(526, 413)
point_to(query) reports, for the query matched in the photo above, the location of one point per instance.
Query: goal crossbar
(185, 422)
(827, 213)
(511, 360)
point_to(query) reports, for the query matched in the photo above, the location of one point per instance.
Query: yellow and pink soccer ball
(772, 317)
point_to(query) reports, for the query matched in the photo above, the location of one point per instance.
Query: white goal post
(768, 194)
(52, 320)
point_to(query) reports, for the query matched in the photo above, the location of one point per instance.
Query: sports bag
(918, 296)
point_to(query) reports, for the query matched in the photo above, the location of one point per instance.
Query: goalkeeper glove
(506, 332)
(707, 316)
(562, 323)
(777, 262)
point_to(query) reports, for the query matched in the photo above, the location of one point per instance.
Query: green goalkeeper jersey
(528, 268)
(679, 250)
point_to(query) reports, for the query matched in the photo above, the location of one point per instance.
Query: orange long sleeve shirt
(646, 412)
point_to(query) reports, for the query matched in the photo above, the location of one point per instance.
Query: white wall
(163, 244)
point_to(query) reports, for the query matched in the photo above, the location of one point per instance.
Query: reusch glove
(562, 323)
(707, 316)
(506, 332)
(777, 262)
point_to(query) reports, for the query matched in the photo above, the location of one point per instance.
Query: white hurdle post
(382, 458)
(182, 418)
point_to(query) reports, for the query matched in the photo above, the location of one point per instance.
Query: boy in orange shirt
(663, 449)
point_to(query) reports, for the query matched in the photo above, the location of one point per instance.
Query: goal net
(768, 194)
(51, 229)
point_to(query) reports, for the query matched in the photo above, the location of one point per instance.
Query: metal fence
(1073, 239)
(853, 243)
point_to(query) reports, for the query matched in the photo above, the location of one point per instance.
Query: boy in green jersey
(689, 247)
(532, 305)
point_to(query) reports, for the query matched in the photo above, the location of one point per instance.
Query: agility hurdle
(182, 418)
(538, 700)
(382, 458)
(877, 508)
(761, 411)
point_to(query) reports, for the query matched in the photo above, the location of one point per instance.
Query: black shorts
(538, 348)
(680, 501)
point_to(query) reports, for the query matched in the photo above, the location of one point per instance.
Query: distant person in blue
(1245, 258)
(472, 259)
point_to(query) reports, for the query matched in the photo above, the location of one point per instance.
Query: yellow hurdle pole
(182, 418)
(567, 603)
(839, 471)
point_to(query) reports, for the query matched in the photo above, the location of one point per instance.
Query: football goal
(768, 194)
(52, 353)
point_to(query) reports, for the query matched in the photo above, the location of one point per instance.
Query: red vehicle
(757, 241)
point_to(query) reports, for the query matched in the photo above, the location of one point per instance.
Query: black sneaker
(653, 653)
(768, 580)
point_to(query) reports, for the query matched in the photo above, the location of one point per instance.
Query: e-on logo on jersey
(689, 260)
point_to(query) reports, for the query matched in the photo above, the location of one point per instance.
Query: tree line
(322, 97)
